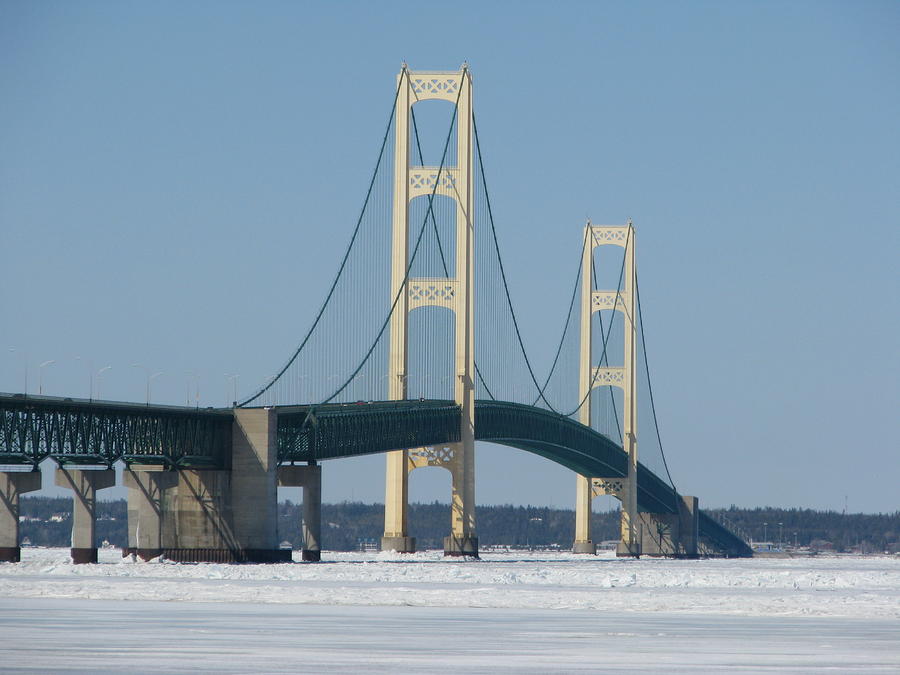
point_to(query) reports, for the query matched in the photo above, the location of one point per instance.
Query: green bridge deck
(79, 431)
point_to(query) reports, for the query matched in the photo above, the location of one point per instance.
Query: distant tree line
(46, 521)
(818, 530)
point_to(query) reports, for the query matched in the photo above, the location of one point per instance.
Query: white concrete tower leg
(629, 544)
(463, 539)
(396, 482)
(583, 490)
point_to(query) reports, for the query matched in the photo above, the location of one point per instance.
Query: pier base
(461, 546)
(399, 544)
(587, 547)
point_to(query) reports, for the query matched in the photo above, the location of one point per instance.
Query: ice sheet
(508, 613)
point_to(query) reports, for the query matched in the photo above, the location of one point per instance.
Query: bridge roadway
(79, 431)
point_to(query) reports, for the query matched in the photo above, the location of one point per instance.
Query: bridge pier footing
(84, 483)
(461, 546)
(398, 544)
(13, 484)
(587, 547)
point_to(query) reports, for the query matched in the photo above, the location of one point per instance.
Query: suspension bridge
(415, 352)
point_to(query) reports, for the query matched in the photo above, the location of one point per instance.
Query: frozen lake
(509, 613)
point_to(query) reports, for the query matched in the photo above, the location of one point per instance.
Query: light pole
(90, 367)
(147, 372)
(150, 377)
(99, 376)
(41, 375)
(780, 534)
(149, 380)
(24, 354)
(196, 378)
(765, 531)
(233, 379)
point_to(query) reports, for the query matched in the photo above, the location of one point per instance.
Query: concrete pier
(146, 488)
(673, 535)
(84, 483)
(254, 481)
(229, 515)
(13, 484)
(461, 546)
(198, 526)
(310, 479)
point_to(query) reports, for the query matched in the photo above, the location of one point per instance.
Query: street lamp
(99, 376)
(233, 379)
(90, 367)
(24, 354)
(149, 380)
(193, 376)
(150, 377)
(765, 532)
(41, 375)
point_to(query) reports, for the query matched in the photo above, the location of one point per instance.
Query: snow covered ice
(514, 612)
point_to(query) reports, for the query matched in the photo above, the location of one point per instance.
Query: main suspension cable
(568, 318)
(649, 383)
(487, 199)
(387, 131)
(403, 285)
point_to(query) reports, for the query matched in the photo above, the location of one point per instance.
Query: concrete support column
(13, 484)
(312, 515)
(254, 466)
(230, 515)
(84, 483)
(199, 511)
(583, 499)
(146, 488)
(689, 525)
(310, 479)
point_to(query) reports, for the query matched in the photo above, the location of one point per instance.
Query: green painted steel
(33, 428)
(78, 431)
(719, 538)
(313, 433)
(308, 433)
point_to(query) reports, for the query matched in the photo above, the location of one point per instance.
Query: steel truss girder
(85, 432)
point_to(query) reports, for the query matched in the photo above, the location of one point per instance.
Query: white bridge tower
(455, 293)
(591, 376)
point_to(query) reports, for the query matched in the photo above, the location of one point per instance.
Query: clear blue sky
(173, 173)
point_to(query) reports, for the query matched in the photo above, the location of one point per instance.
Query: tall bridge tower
(455, 293)
(590, 376)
